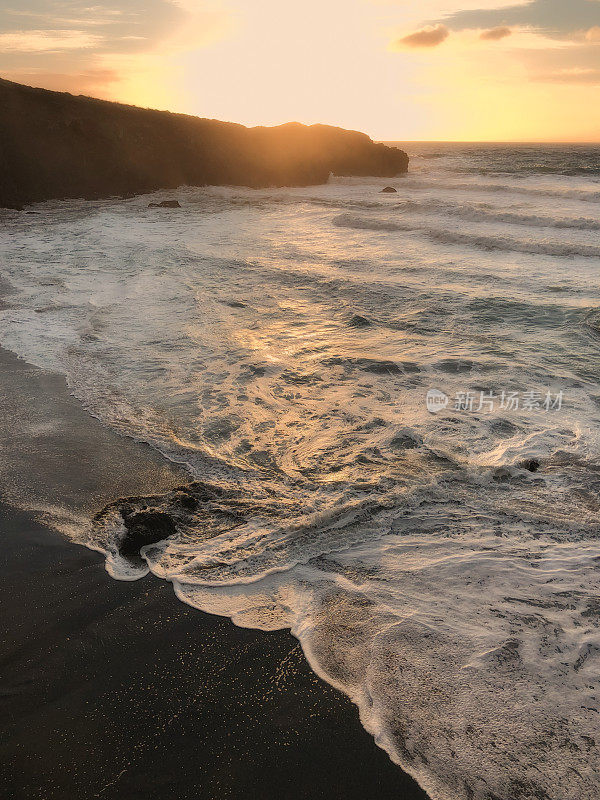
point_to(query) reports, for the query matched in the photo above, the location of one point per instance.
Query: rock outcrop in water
(56, 145)
(165, 204)
(144, 528)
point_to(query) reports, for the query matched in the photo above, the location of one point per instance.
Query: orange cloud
(593, 35)
(495, 34)
(430, 36)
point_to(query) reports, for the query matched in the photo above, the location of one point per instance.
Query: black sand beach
(118, 690)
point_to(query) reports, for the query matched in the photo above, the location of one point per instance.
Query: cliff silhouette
(56, 145)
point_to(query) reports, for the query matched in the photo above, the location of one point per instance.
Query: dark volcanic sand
(118, 690)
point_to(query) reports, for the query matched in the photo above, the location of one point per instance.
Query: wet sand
(118, 690)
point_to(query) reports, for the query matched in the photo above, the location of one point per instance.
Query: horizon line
(490, 141)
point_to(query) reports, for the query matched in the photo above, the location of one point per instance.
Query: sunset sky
(397, 69)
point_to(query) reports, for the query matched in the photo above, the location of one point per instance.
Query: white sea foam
(441, 569)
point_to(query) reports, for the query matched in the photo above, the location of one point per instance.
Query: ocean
(389, 409)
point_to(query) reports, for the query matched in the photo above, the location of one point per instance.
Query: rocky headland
(55, 145)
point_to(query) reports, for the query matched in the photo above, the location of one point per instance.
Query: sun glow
(391, 68)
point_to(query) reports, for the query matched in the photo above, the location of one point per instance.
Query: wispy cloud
(593, 34)
(429, 36)
(51, 40)
(495, 34)
(46, 41)
(560, 19)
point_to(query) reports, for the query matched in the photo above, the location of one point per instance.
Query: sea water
(389, 408)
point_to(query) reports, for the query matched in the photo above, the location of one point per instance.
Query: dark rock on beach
(404, 441)
(55, 145)
(389, 190)
(165, 204)
(358, 321)
(531, 465)
(144, 528)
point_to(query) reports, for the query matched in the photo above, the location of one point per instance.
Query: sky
(400, 70)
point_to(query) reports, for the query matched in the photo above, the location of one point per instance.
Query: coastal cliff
(56, 145)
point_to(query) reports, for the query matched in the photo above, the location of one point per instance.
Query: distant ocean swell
(486, 213)
(514, 188)
(440, 569)
(549, 248)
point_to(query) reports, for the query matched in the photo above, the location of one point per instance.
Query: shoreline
(118, 689)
